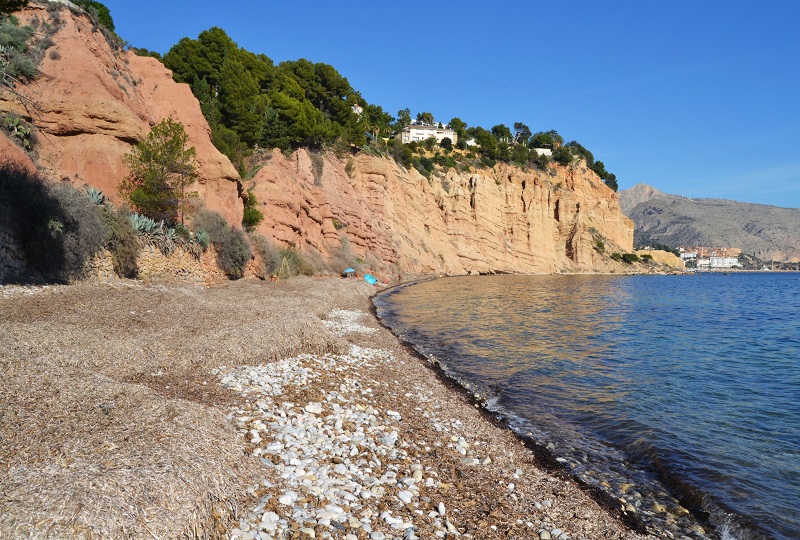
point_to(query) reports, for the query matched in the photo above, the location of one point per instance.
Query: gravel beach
(252, 410)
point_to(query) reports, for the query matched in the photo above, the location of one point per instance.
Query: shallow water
(649, 387)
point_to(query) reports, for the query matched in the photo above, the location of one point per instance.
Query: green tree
(521, 133)
(425, 118)
(600, 169)
(447, 143)
(546, 139)
(562, 155)
(142, 51)
(502, 133)
(403, 119)
(378, 122)
(251, 216)
(581, 152)
(611, 181)
(487, 142)
(429, 143)
(10, 6)
(402, 154)
(161, 167)
(99, 10)
(460, 127)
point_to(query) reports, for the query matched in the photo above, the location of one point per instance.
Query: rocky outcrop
(482, 221)
(92, 101)
(12, 154)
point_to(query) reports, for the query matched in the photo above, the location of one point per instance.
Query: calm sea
(666, 392)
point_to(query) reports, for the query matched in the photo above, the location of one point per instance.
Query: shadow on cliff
(48, 232)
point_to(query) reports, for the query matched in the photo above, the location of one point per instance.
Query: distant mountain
(768, 232)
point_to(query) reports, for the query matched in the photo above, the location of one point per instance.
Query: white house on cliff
(420, 132)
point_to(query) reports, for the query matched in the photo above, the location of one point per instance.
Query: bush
(292, 264)
(269, 254)
(121, 241)
(57, 228)
(630, 258)
(402, 154)
(251, 216)
(233, 249)
(617, 257)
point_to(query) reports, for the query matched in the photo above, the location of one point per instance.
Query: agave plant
(144, 225)
(96, 196)
(203, 238)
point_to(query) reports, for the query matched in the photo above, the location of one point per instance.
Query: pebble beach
(287, 411)
(371, 444)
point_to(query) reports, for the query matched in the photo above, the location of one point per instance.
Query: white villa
(420, 132)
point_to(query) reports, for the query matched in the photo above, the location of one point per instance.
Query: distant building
(544, 152)
(724, 262)
(420, 132)
(712, 258)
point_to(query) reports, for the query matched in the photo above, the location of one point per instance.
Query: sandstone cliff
(501, 220)
(91, 102)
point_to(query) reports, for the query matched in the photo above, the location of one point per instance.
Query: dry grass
(111, 423)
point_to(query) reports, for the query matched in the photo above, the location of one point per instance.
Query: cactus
(19, 130)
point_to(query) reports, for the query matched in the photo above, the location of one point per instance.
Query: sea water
(666, 392)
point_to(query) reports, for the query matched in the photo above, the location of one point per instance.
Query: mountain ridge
(765, 231)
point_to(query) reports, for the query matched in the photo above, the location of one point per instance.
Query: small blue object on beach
(369, 278)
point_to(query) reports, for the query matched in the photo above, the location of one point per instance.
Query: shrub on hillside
(293, 264)
(630, 258)
(270, 256)
(251, 216)
(121, 240)
(56, 226)
(233, 249)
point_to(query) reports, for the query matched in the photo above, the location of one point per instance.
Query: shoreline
(695, 522)
(135, 367)
(543, 457)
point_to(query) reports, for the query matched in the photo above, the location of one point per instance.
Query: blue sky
(694, 98)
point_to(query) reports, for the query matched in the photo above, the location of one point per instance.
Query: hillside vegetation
(250, 102)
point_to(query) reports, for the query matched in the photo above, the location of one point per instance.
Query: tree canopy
(249, 101)
(161, 166)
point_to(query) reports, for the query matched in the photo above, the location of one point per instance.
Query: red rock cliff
(92, 102)
(501, 220)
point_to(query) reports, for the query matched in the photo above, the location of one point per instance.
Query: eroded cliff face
(500, 220)
(92, 102)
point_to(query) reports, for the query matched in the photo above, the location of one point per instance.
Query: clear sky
(696, 98)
